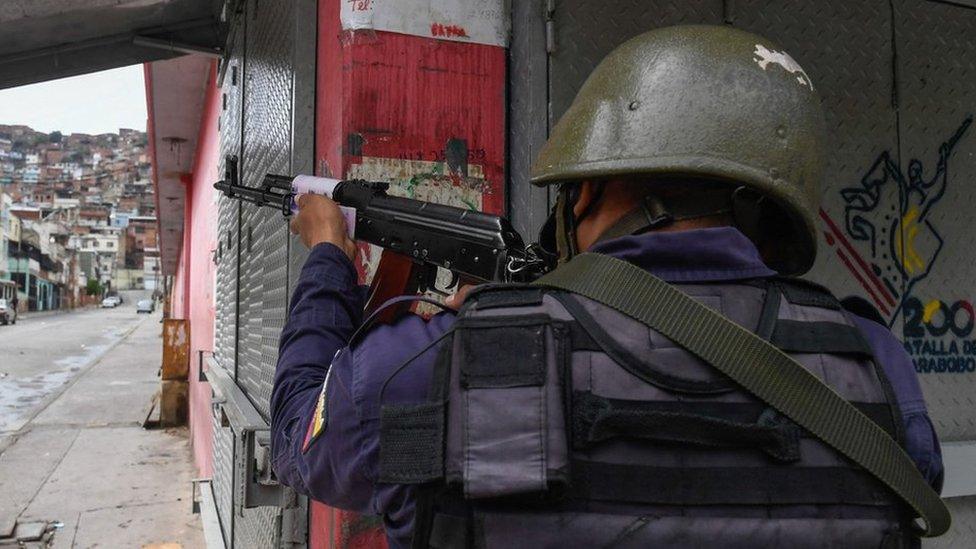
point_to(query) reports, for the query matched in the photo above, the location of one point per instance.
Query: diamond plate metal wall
(937, 93)
(528, 127)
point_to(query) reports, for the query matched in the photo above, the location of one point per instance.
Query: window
(111, 244)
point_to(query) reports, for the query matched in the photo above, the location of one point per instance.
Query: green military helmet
(700, 102)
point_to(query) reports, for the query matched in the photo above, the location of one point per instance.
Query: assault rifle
(417, 237)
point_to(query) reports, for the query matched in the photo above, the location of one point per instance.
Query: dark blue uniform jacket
(336, 460)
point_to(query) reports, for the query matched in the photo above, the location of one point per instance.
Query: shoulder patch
(319, 416)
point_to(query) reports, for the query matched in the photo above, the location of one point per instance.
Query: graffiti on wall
(890, 241)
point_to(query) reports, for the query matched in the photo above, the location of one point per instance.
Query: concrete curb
(30, 315)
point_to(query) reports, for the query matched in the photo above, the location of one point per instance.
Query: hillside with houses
(77, 216)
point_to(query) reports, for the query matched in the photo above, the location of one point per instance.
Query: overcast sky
(101, 102)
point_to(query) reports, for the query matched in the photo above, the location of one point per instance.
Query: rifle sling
(759, 367)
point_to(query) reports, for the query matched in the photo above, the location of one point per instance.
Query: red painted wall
(193, 284)
(390, 103)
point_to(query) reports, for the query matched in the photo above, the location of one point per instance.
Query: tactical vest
(554, 421)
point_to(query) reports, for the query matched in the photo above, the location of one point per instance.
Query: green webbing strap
(759, 367)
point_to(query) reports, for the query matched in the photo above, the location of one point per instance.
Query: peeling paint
(421, 180)
(477, 21)
(764, 57)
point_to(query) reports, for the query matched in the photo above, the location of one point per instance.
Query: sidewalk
(85, 467)
(28, 315)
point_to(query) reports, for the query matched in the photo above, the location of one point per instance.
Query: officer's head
(690, 126)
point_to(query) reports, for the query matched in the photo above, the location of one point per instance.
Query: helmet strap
(747, 210)
(566, 222)
(654, 213)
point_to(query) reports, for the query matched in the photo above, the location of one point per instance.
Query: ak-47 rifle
(417, 237)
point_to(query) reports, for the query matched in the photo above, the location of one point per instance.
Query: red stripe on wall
(868, 273)
(862, 282)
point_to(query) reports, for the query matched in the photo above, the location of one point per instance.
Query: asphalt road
(42, 354)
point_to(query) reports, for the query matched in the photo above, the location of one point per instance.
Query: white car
(8, 315)
(110, 302)
(145, 306)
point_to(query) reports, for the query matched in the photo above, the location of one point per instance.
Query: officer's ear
(586, 199)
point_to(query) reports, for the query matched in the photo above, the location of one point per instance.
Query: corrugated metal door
(898, 82)
(259, 125)
(228, 258)
(264, 263)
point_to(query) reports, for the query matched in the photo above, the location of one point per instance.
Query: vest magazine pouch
(508, 432)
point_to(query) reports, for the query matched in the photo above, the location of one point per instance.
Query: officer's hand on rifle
(319, 220)
(455, 300)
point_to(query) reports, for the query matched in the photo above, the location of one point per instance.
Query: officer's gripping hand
(455, 300)
(319, 220)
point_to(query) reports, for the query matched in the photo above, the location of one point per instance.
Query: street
(44, 352)
(74, 458)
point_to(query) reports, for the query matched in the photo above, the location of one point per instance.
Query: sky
(100, 102)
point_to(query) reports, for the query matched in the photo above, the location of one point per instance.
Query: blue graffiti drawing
(902, 242)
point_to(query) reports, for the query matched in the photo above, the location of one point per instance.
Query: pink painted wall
(193, 286)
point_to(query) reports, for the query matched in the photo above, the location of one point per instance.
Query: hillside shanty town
(493, 274)
(77, 216)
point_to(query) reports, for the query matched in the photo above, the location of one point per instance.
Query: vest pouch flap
(506, 405)
(503, 357)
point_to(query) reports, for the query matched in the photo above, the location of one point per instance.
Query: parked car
(145, 306)
(8, 293)
(110, 302)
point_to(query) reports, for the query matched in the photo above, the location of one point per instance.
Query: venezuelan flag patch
(319, 417)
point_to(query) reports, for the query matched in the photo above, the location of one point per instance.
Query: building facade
(6, 234)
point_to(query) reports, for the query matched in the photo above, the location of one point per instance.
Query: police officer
(540, 418)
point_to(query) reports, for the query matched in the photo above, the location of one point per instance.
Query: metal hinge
(256, 485)
(550, 25)
(261, 488)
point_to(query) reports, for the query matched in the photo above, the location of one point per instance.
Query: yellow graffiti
(905, 243)
(930, 308)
